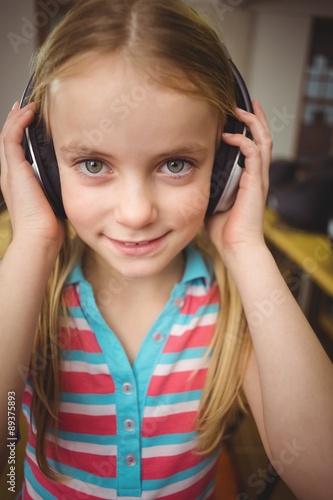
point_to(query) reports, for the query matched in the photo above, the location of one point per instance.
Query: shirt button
(127, 388)
(129, 425)
(130, 460)
(158, 337)
(178, 302)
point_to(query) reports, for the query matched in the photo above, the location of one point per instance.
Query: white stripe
(196, 291)
(83, 367)
(210, 492)
(173, 409)
(168, 450)
(80, 323)
(28, 389)
(183, 365)
(81, 486)
(110, 494)
(182, 485)
(176, 487)
(81, 447)
(206, 319)
(87, 409)
(32, 492)
(27, 419)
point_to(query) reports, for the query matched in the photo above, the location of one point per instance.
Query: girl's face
(135, 161)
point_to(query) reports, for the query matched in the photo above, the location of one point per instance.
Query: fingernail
(15, 105)
(226, 134)
(240, 110)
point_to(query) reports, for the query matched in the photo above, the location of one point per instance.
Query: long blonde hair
(165, 38)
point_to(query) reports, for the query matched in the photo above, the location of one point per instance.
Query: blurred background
(284, 50)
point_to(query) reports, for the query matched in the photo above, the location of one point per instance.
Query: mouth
(139, 247)
(133, 244)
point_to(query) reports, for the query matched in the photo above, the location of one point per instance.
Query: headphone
(227, 169)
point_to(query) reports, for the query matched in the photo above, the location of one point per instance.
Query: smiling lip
(138, 248)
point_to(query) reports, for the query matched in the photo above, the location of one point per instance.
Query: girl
(123, 336)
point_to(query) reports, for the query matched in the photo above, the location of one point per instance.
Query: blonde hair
(165, 38)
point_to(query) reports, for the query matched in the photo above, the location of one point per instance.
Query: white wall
(275, 76)
(17, 45)
(268, 46)
(233, 25)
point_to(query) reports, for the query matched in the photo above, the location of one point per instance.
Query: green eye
(175, 166)
(93, 166)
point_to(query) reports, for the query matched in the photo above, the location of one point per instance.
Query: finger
(251, 151)
(256, 173)
(260, 113)
(12, 135)
(258, 129)
(260, 133)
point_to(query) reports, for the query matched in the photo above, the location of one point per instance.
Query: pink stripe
(170, 424)
(78, 340)
(163, 467)
(71, 297)
(60, 490)
(102, 466)
(83, 383)
(194, 302)
(105, 425)
(200, 336)
(177, 382)
(27, 399)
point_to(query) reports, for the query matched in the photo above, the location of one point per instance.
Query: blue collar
(196, 268)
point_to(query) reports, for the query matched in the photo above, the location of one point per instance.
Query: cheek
(191, 205)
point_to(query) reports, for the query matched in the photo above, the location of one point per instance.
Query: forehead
(123, 75)
(112, 95)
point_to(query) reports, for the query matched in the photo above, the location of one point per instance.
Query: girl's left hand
(240, 229)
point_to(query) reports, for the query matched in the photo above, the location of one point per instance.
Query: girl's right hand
(32, 218)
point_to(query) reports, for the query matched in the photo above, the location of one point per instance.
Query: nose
(135, 205)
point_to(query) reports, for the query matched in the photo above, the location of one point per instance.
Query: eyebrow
(80, 148)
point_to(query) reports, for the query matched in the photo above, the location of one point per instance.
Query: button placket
(158, 337)
(131, 460)
(129, 444)
(129, 425)
(127, 388)
(179, 302)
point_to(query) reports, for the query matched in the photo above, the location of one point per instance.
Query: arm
(291, 397)
(289, 380)
(26, 265)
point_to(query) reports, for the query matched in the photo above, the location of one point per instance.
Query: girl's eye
(176, 167)
(91, 167)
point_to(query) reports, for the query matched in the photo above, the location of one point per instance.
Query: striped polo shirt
(128, 430)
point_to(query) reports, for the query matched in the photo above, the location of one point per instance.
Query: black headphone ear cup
(46, 163)
(224, 164)
(229, 161)
(39, 151)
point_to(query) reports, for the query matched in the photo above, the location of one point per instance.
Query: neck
(108, 284)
